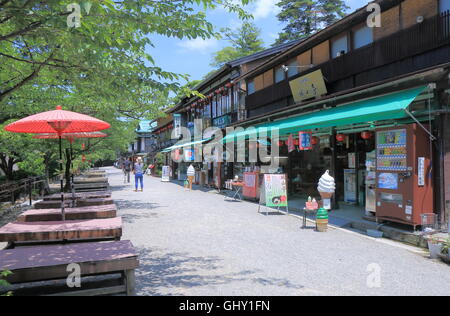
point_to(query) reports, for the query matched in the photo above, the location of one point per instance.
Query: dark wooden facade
(419, 47)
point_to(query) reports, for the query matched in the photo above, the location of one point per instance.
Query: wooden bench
(47, 263)
(72, 214)
(90, 180)
(20, 233)
(91, 187)
(78, 196)
(79, 203)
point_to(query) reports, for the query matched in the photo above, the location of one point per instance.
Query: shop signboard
(305, 141)
(165, 174)
(290, 143)
(189, 155)
(177, 125)
(275, 190)
(309, 86)
(222, 122)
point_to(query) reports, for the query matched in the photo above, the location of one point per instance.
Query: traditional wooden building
(374, 102)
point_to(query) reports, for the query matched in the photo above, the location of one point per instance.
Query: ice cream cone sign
(326, 189)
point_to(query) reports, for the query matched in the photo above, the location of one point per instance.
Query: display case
(404, 184)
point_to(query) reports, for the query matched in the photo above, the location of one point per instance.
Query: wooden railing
(11, 191)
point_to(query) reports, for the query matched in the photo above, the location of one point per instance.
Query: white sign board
(165, 174)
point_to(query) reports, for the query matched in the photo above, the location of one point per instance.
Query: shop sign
(275, 190)
(305, 140)
(309, 86)
(189, 155)
(165, 174)
(177, 125)
(222, 122)
(290, 142)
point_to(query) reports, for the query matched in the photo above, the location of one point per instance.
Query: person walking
(126, 167)
(138, 171)
(191, 176)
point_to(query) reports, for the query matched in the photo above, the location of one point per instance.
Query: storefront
(378, 151)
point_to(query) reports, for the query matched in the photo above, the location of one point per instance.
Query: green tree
(100, 68)
(305, 17)
(245, 41)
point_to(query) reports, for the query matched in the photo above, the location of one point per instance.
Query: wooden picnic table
(45, 232)
(44, 263)
(79, 195)
(77, 213)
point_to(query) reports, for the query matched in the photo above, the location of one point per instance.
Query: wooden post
(130, 282)
(30, 192)
(334, 203)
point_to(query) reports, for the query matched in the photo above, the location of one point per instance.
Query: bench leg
(129, 280)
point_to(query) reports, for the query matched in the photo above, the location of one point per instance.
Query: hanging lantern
(315, 140)
(218, 91)
(229, 85)
(83, 146)
(340, 138)
(83, 158)
(366, 135)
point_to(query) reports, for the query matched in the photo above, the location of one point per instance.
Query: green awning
(387, 107)
(188, 144)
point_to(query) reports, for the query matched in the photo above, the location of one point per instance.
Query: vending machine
(404, 179)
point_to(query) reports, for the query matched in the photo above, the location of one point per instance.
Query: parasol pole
(63, 212)
(72, 177)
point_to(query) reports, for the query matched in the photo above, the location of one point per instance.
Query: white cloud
(199, 45)
(265, 8)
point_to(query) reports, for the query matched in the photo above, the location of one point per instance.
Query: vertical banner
(275, 190)
(177, 125)
(165, 174)
(305, 140)
(291, 146)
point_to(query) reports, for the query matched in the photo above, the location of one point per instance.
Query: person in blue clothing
(138, 171)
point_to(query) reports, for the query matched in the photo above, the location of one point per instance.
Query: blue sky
(192, 57)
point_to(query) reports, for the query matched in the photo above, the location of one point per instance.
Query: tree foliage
(244, 41)
(100, 68)
(305, 17)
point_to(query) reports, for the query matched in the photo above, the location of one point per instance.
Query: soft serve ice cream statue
(326, 189)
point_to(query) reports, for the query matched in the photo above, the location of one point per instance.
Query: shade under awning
(188, 144)
(386, 107)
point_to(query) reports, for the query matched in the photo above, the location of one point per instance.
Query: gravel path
(195, 243)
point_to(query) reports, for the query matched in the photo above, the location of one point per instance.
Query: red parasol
(59, 122)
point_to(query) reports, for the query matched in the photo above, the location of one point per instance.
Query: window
(362, 37)
(292, 68)
(339, 47)
(250, 87)
(444, 5)
(213, 106)
(279, 74)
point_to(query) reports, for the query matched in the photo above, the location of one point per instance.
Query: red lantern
(340, 138)
(315, 140)
(83, 158)
(217, 91)
(229, 85)
(366, 135)
(83, 146)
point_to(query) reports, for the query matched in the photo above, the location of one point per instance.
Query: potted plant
(435, 246)
(445, 250)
